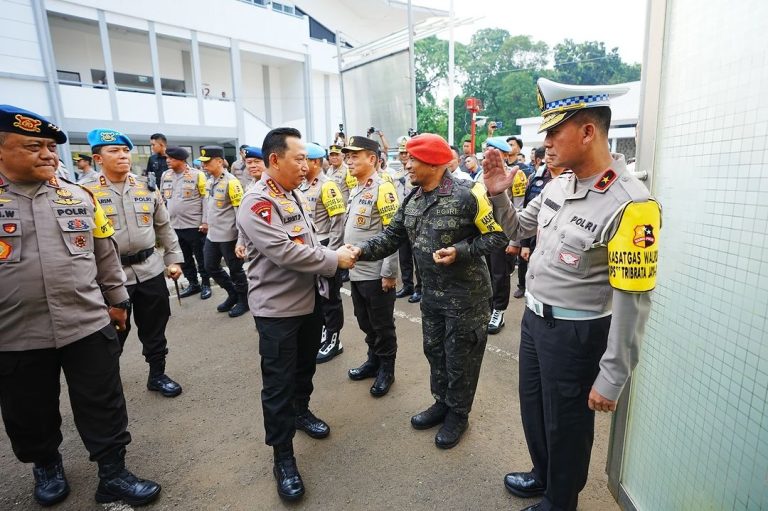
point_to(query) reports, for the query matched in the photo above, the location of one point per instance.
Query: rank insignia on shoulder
(263, 209)
(606, 180)
(273, 188)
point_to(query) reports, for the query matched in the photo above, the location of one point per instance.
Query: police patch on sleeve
(332, 199)
(201, 185)
(235, 192)
(263, 209)
(102, 228)
(484, 220)
(387, 202)
(633, 251)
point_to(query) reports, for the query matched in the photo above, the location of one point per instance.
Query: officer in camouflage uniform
(450, 225)
(140, 219)
(327, 210)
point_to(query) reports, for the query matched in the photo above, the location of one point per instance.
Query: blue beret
(17, 120)
(499, 143)
(253, 152)
(100, 137)
(314, 151)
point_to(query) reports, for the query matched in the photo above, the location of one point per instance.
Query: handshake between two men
(349, 254)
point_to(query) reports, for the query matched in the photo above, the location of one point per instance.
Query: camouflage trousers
(454, 344)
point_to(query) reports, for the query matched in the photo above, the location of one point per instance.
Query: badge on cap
(27, 123)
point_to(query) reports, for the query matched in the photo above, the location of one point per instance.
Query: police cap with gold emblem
(211, 151)
(101, 137)
(361, 144)
(558, 101)
(82, 157)
(23, 122)
(334, 149)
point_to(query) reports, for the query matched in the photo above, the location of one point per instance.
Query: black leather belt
(138, 257)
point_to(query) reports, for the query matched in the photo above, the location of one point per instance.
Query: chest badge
(9, 228)
(5, 250)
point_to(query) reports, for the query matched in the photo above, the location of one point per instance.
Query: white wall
(216, 71)
(76, 47)
(26, 94)
(130, 52)
(19, 47)
(292, 80)
(253, 87)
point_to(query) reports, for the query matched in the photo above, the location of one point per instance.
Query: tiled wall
(698, 423)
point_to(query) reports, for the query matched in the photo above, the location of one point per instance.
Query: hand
(346, 258)
(173, 271)
(444, 256)
(513, 251)
(387, 284)
(356, 251)
(203, 228)
(525, 253)
(240, 251)
(118, 317)
(600, 404)
(496, 177)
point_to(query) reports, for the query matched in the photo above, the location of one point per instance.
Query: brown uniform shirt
(57, 257)
(284, 251)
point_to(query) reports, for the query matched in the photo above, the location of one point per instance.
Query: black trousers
(454, 344)
(192, 242)
(522, 265)
(214, 251)
(332, 307)
(151, 309)
(500, 266)
(408, 267)
(29, 397)
(559, 361)
(288, 349)
(374, 310)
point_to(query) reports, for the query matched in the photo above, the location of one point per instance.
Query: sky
(618, 23)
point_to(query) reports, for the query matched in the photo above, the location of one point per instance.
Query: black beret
(17, 120)
(177, 153)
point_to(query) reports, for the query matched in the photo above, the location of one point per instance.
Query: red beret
(429, 148)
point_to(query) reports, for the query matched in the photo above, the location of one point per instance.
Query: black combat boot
(205, 290)
(51, 485)
(454, 426)
(231, 300)
(430, 417)
(384, 378)
(158, 381)
(241, 307)
(311, 425)
(330, 346)
(191, 289)
(369, 368)
(118, 483)
(289, 483)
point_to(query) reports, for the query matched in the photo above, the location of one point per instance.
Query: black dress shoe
(523, 484)
(311, 425)
(535, 507)
(51, 485)
(205, 292)
(405, 291)
(289, 483)
(384, 380)
(450, 433)
(369, 369)
(238, 310)
(163, 384)
(415, 297)
(190, 290)
(430, 417)
(127, 487)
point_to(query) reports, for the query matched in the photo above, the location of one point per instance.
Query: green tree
(589, 63)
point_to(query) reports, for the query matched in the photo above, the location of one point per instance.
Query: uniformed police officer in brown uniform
(327, 210)
(183, 190)
(140, 220)
(58, 265)
(284, 290)
(587, 287)
(224, 196)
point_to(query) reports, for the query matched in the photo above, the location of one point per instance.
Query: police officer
(587, 288)
(501, 262)
(57, 257)
(339, 172)
(224, 196)
(372, 204)
(450, 225)
(284, 298)
(183, 190)
(327, 210)
(83, 162)
(140, 220)
(239, 168)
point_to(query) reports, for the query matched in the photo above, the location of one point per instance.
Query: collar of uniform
(274, 188)
(53, 182)
(3, 181)
(446, 184)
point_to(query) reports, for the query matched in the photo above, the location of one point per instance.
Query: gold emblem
(67, 202)
(27, 123)
(297, 228)
(61, 192)
(145, 208)
(202, 152)
(540, 98)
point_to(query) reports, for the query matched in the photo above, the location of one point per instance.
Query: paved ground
(206, 446)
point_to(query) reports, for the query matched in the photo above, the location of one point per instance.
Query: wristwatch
(125, 304)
